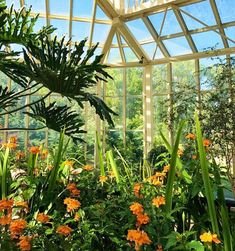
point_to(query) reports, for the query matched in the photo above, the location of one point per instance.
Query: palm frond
(58, 118)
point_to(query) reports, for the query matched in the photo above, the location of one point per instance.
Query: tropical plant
(50, 64)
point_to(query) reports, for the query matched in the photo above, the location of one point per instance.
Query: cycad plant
(52, 64)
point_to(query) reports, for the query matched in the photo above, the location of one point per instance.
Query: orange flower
(190, 136)
(13, 139)
(88, 168)
(73, 189)
(5, 219)
(64, 230)
(208, 237)
(136, 208)
(72, 204)
(17, 227)
(6, 204)
(194, 156)
(158, 201)
(103, 179)
(24, 243)
(43, 218)
(139, 237)
(49, 167)
(34, 149)
(207, 142)
(166, 169)
(20, 155)
(23, 204)
(136, 189)
(142, 219)
(9, 145)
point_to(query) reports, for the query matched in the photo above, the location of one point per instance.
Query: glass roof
(141, 29)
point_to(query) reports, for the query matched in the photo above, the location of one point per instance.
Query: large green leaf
(58, 118)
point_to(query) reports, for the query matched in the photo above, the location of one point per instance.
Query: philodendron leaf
(195, 245)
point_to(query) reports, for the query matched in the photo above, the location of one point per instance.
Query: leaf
(58, 118)
(196, 245)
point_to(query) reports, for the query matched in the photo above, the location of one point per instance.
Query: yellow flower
(103, 179)
(158, 201)
(64, 230)
(69, 163)
(208, 237)
(136, 208)
(72, 204)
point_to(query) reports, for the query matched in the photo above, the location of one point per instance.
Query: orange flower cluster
(72, 204)
(136, 208)
(34, 149)
(166, 169)
(17, 227)
(64, 230)
(142, 219)
(43, 218)
(190, 136)
(207, 142)
(139, 237)
(20, 155)
(73, 189)
(23, 204)
(136, 189)
(12, 143)
(208, 237)
(5, 220)
(88, 168)
(103, 179)
(158, 201)
(6, 205)
(157, 179)
(180, 152)
(24, 243)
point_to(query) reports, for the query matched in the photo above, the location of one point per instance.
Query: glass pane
(198, 11)
(134, 112)
(62, 28)
(114, 56)
(139, 30)
(38, 6)
(160, 107)
(177, 46)
(18, 119)
(230, 33)
(114, 138)
(100, 14)
(15, 2)
(62, 8)
(226, 10)
(80, 30)
(116, 105)
(170, 26)
(115, 41)
(100, 33)
(115, 87)
(158, 54)
(37, 138)
(39, 24)
(207, 40)
(149, 49)
(130, 55)
(134, 81)
(159, 79)
(82, 8)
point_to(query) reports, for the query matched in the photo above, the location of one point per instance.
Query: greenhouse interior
(117, 125)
